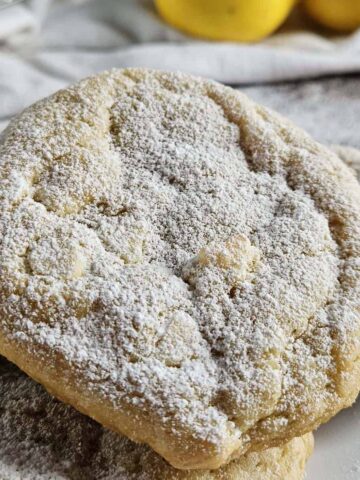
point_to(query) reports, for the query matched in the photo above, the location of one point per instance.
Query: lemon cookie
(180, 264)
(42, 438)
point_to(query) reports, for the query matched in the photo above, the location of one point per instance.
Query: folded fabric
(81, 38)
(131, 33)
(16, 19)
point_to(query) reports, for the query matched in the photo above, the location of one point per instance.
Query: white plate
(337, 448)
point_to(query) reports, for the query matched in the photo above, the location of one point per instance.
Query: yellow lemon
(338, 14)
(234, 20)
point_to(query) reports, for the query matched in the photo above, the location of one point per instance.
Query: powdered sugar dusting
(173, 244)
(43, 439)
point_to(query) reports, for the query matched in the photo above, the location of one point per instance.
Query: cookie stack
(181, 265)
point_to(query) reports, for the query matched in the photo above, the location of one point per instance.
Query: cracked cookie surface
(180, 264)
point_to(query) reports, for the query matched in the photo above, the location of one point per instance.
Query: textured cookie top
(181, 260)
(351, 156)
(43, 439)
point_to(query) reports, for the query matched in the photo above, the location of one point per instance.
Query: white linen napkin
(130, 33)
(21, 19)
(16, 19)
(79, 39)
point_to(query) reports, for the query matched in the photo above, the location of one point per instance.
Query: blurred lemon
(337, 14)
(234, 20)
